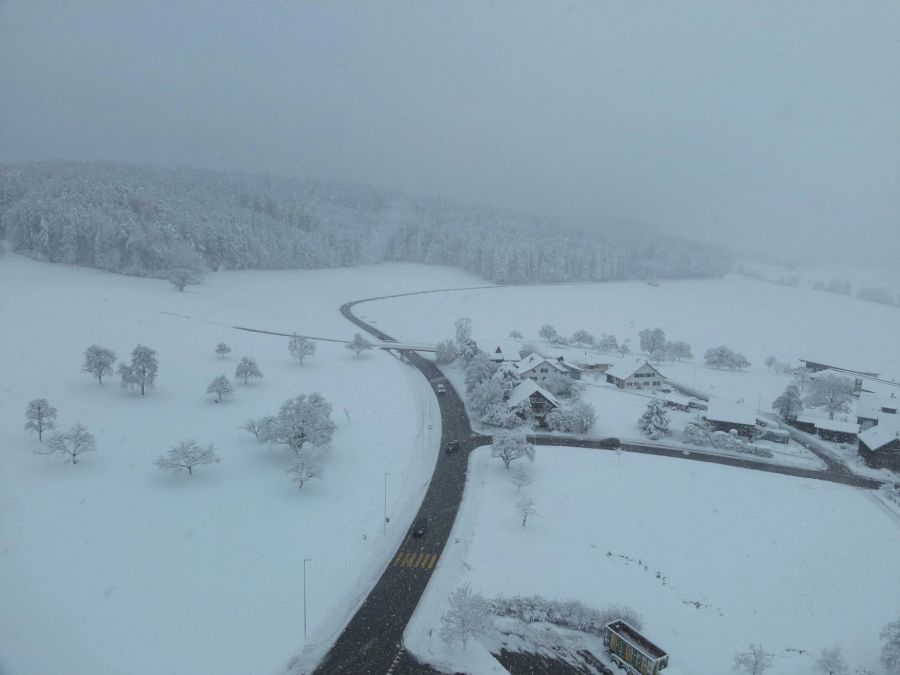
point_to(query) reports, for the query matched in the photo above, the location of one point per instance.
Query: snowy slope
(113, 567)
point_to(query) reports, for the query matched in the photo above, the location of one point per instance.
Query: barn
(880, 447)
(724, 415)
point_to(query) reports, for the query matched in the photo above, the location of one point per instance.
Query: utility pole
(385, 502)
(305, 560)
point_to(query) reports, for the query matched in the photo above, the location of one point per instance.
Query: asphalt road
(372, 641)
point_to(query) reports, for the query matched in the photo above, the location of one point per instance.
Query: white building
(539, 368)
(633, 376)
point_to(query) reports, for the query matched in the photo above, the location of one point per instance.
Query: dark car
(420, 527)
(452, 446)
(610, 443)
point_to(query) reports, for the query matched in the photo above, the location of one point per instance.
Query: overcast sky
(772, 124)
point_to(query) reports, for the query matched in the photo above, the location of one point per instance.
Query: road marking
(419, 559)
(395, 661)
(432, 561)
(415, 559)
(399, 558)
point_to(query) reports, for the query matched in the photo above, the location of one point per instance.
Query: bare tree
(754, 662)
(304, 468)
(831, 662)
(525, 507)
(142, 371)
(222, 350)
(770, 361)
(41, 416)
(300, 347)
(98, 361)
(220, 386)
(520, 477)
(547, 332)
(186, 455)
(463, 327)
(516, 335)
(832, 392)
(181, 277)
(359, 344)
(445, 352)
(258, 426)
(466, 616)
(246, 369)
(510, 446)
(70, 444)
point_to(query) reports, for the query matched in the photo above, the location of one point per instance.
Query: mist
(766, 126)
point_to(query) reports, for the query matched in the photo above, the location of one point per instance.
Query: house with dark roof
(542, 401)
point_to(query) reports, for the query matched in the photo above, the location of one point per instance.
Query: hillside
(144, 220)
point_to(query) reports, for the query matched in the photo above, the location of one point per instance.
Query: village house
(839, 430)
(502, 353)
(539, 368)
(630, 376)
(880, 446)
(542, 401)
(628, 646)
(724, 415)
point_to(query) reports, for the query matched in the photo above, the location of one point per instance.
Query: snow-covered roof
(837, 425)
(525, 389)
(837, 364)
(831, 371)
(534, 360)
(879, 436)
(623, 371)
(723, 410)
(868, 405)
(569, 366)
(675, 398)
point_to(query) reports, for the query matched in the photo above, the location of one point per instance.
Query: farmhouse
(839, 431)
(627, 376)
(725, 415)
(880, 447)
(643, 657)
(539, 368)
(542, 401)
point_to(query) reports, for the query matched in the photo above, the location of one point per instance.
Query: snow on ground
(712, 557)
(112, 566)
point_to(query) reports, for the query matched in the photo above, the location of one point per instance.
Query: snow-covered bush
(576, 418)
(566, 613)
(655, 420)
(562, 386)
(696, 434)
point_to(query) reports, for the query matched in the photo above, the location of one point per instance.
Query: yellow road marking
(432, 561)
(399, 557)
(409, 559)
(418, 562)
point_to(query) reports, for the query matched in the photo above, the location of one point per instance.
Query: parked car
(420, 527)
(610, 443)
(452, 446)
(441, 389)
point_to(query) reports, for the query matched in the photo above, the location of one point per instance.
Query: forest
(145, 220)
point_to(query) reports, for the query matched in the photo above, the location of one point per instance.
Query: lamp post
(305, 560)
(385, 502)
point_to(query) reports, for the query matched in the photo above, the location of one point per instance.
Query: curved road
(372, 641)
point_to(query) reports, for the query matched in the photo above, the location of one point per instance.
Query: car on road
(610, 443)
(420, 527)
(452, 446)
(441, 389)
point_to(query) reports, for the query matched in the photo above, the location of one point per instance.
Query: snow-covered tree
(678, 350)
(468, 350)
(831, 662)
(40, 416)
(770, 361)
(876, 294)
(181, 277)
(577, 417)
(653, 341)
(359, 345)
(547, 333)
(890, 651)
(463, 327)
(186, 455)
(516, 335)
(300, 347)
(479, 369)
(466, 616)
(754, 662)
(520, 477)
(304, 468)
(655, 420)
(221, 387)
(527, 349)
(525, 507)
(142, 371)
(510, 446)
(222, 350)
(562, 385)
(246, 369)
(582, 337)
(623, 348)
(788, 404)
(445, 352)
(301, 420)
(98, 361)
(70, 444)
(258, 426)
(832, 392)
(723, 358)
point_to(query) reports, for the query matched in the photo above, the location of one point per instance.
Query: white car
(441, 389)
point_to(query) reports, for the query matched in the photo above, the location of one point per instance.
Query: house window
(543, 370)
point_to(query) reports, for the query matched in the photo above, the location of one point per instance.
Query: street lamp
(385, 502)
(305, 560)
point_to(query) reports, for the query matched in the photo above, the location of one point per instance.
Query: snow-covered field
(112, 566)
(712, 557)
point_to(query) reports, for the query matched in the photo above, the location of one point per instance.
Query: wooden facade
(880, 454)
(629, 647)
